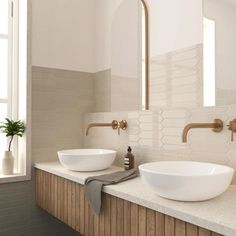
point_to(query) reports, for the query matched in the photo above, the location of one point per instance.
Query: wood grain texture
(151, 222)
(107, 214)
(169, 226)
(134, 219)
(82, 210)
(180, 228)
(160, 224)
(77, 207)
(113, 216)
(204, 232)
(120, 217)
(142, 221)
(73, 205)
(127, 218)
(216, 234)
(66, 201)
(192, 230)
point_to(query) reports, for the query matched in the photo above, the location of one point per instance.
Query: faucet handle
(232, 127)
(122, 125)
(115, 124)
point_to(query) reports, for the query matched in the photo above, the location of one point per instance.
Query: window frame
(19, 84)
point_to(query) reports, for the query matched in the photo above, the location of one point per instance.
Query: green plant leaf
(12, 128)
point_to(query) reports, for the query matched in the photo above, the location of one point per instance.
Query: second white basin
(185, 180)
(87, 159)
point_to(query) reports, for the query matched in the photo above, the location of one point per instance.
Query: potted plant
(11, 128)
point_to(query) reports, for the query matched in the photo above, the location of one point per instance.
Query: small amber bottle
(129, 160)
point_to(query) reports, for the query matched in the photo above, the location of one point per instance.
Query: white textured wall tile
(157, 135)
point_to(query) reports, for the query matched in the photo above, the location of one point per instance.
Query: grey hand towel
(94, 185)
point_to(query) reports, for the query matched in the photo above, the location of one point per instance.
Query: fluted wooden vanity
(129, 209)
(65, 200)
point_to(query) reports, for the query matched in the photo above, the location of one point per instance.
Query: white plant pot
(8, 163)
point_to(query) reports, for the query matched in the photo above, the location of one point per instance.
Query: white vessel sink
(87, 159)
(186, 181)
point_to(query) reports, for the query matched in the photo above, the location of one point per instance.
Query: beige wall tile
(60, 99)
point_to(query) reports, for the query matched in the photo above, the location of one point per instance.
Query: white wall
(104, 13)
(125, 39)
(63, 33)
(174, 25)
(76, 34)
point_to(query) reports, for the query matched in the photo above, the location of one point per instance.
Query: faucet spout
(116, 125)
(92, 125)
(216, 126)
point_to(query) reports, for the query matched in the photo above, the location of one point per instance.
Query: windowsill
(13, 178)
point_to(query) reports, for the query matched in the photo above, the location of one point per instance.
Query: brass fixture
(116, 125)
(216, 126)
(232, 127)
(145, 8)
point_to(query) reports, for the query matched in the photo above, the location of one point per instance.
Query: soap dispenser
(129, 160)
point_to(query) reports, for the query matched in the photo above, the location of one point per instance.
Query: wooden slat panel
(37, 183)
(91, 222)
(160, 224)
(127, 218)
(56, 196)
(73, 205)
(51, 194)
(107, 214)
(45, 190)
(86, 218)
(180, 228)
(40, 183)
(169, 226)
(65, 205)
(82, 210)
(96, 225)
(120, 217)
(47, 185)
(42, 188)
(192, 230)
(113, 215)
(204, 232)
(215, 234)
(69, 203)
(102, 219)
(142, 221)
(60, 197)
(77, 207)
(134, 219)
(151, 222)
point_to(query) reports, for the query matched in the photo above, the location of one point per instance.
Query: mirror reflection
(219, 52)
(123, 85)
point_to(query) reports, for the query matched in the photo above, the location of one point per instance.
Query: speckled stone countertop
(218, 215)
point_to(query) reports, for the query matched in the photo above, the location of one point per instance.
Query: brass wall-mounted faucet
(232, 127)
(116, 125)
(216, 126)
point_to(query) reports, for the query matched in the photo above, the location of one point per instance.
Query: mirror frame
(145, 7)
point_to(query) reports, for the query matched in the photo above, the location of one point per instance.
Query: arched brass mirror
(130, 56)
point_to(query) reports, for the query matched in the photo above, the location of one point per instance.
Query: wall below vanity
(156, 135)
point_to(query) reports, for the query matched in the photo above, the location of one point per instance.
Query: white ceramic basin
(87, 159)
(186, 181)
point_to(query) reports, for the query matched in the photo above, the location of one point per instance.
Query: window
(13, 73)
(6, 64)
